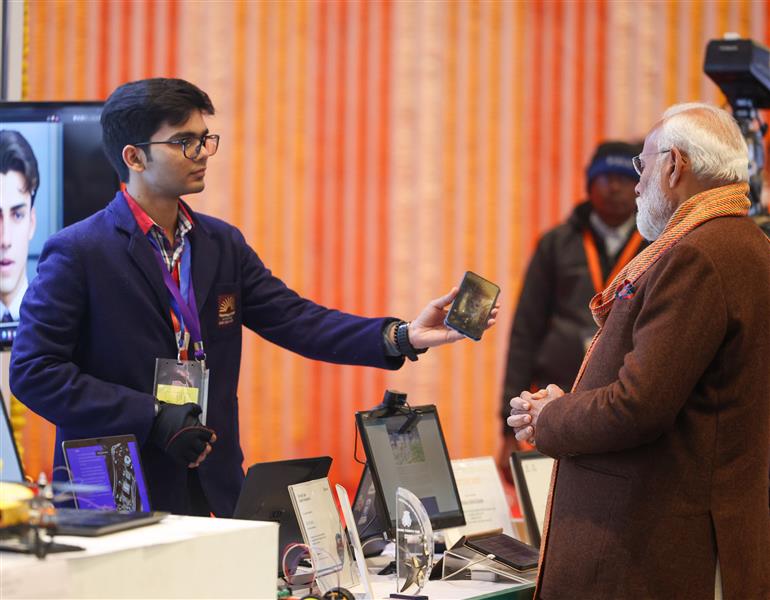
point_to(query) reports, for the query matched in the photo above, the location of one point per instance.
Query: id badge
(182, 382)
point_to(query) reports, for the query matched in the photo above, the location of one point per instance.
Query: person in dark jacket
(572, 262)
(148, 278)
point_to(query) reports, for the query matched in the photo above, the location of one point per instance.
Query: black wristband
(403, 344)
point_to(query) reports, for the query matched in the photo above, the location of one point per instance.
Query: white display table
(186, 557)
(181, 557)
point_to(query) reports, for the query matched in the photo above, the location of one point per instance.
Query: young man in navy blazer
(148, 278)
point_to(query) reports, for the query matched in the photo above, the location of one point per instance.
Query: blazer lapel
(205, 258)
(140, 251)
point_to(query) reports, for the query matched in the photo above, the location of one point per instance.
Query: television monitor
(405, 447)
(54, 150)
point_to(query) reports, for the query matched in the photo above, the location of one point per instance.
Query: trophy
(414, 543)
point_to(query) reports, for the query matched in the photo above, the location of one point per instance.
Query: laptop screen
(265, 494)
(113, 467)
(10, 465)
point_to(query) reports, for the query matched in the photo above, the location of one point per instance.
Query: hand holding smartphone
(472, 306)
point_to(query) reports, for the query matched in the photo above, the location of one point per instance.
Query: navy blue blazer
(97, 316)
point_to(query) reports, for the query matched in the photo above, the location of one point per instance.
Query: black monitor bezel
(389, 522)
(49, 103)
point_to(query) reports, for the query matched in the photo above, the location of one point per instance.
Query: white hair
(710, 138)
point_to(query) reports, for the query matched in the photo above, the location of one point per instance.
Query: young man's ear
(678, 165)
(134, 158)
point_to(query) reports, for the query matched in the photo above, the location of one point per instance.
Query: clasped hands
(525, 410)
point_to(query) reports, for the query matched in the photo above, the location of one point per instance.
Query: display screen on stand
(405, 447)
(53, 172)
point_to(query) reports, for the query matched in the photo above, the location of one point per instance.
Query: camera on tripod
(741, 69)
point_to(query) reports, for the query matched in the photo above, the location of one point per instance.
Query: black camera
(741, 69)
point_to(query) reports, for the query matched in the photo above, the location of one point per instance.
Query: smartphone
(472, 306)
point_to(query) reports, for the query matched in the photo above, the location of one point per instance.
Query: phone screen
(471, 308)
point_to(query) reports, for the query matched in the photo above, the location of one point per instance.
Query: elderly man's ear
(678, 165)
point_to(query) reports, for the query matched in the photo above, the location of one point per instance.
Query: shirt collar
(622, 231)
(614, 237)
(145, 222)
(15, 306)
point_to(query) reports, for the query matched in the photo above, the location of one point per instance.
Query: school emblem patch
(226, 310)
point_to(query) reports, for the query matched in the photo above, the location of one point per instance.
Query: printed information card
(482, 496)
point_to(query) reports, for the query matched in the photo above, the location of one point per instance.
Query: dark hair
(136, 110)
(16, 155)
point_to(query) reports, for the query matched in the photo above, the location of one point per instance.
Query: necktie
(7, 318)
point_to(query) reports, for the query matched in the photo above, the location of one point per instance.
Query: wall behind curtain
(373, 151)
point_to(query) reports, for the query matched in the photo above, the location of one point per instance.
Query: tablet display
(405, 448)
(506, 550)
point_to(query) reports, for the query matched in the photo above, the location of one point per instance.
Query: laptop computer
(109, 471)
(108, 487)
(265, 494)
(93, 523)
(85, 522)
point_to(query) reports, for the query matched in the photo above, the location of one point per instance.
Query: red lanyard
(595, 266)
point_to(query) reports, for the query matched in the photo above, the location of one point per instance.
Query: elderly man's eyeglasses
(191, 146)
(637, 160)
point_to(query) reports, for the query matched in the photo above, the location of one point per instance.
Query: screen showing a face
(408, 450)
(113, 468)
(470, 309)
(53, 172)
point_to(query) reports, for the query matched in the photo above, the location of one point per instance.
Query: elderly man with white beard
(663, 444)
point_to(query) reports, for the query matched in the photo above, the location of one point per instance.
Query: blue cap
(613, 157)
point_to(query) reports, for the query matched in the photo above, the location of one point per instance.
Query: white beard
(654, 210)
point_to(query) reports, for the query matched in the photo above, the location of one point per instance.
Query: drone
(28, 515)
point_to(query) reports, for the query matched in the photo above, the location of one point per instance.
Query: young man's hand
(180, 434)
(428, 329)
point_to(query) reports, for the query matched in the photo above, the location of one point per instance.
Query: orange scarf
(728, 200)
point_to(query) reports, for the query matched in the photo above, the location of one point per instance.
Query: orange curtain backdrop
(374, 151)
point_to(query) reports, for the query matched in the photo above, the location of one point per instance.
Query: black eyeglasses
(191, 146)
(637, 160)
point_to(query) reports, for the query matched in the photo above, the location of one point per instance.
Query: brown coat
(665, 445)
